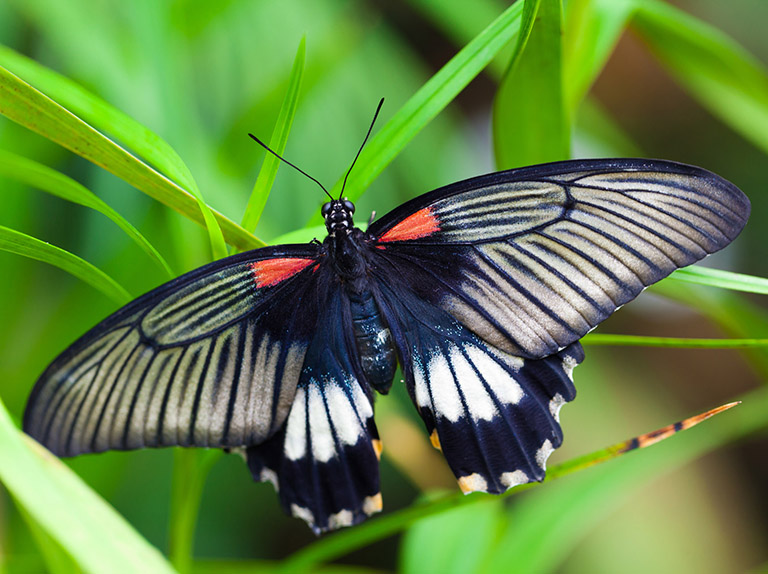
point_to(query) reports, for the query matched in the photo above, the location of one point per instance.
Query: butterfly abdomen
(374, 342)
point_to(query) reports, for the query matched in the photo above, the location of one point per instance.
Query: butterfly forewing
(210, 359)
(532, 259)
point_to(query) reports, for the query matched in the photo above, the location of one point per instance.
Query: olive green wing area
(210, 359)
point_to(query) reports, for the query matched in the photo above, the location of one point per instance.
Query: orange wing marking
(273, 271)
(423, 223)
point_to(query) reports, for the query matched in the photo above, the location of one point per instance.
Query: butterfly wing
(532, 259)
(324, 461)
(210, 359)
(488, 284)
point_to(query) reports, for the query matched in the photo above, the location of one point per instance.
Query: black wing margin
(532, 259)
(209, 359)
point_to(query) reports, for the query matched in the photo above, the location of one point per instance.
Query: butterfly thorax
(347, 250)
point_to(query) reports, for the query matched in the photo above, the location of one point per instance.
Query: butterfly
(479, 290)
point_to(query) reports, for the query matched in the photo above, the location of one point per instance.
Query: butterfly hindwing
(534, 258)
(324, 462)
(210, 359)
(494, 416)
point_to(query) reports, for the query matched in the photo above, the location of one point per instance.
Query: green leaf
(428, 102)
(716, 70)
(592, 30)
(37, 175)
(22, 244)
(670, 342)
(722, 279)
(456, 541)
(277, 142)
(680, 450)
(100, 114)
(546, 526)
(190, 469)
(530, 123)
(96, 537)
(28, 107)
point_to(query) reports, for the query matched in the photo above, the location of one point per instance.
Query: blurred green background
(202, 75)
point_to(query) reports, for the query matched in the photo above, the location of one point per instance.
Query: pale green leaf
(37, 175)
(22, 244)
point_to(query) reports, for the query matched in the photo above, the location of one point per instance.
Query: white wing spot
(506, 388)
(295, 445)
(543, 454)
(422, 394)
(372, 504)
(569, 363)
(555, 405)
(513, 479)
(444, 392)
(304, 513)
(342, 412)
(476, 397)
(473, 483)
(341, 518)
(323, 446)
(269, 475)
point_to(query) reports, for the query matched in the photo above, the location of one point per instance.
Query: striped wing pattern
(324, 461)
(494, 416)
(210, 359)
(498, 278)
(483, 287)
(533, 259)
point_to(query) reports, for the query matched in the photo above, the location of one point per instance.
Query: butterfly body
(480, 291)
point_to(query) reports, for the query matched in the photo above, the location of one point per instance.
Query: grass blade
(542, 533)
(37, 175)
(530, 123)
(268, 172)
(22, 244)
(716, 70)
(670, 342)
(429, 101)
(96, 537)
(592, 30)
(30, 108)
(346, 541)
(722, 279)
(100, 114)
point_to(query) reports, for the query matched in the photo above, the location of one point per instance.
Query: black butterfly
(480, 290)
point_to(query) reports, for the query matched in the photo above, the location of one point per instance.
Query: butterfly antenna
(370, 129)
(266, 147)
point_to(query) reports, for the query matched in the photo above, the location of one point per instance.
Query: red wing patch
(273, 271)
(423, 223)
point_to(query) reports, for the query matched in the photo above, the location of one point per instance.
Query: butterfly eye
(349, 206)
(326, 209)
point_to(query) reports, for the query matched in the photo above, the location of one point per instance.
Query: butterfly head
(338, 216)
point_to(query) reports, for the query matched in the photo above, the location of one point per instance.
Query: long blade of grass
(110, 120)
(530, 123)
(96, 537)
(30, 108)
(426, 103)
(277, 142)
(715, 69)
(190, 469)
(56, 558)
(601, 339)
(37, 175)
(346, 541)
(722, 279)
(592, 30)
(22, 244)
(542, 533)
(100, 114)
